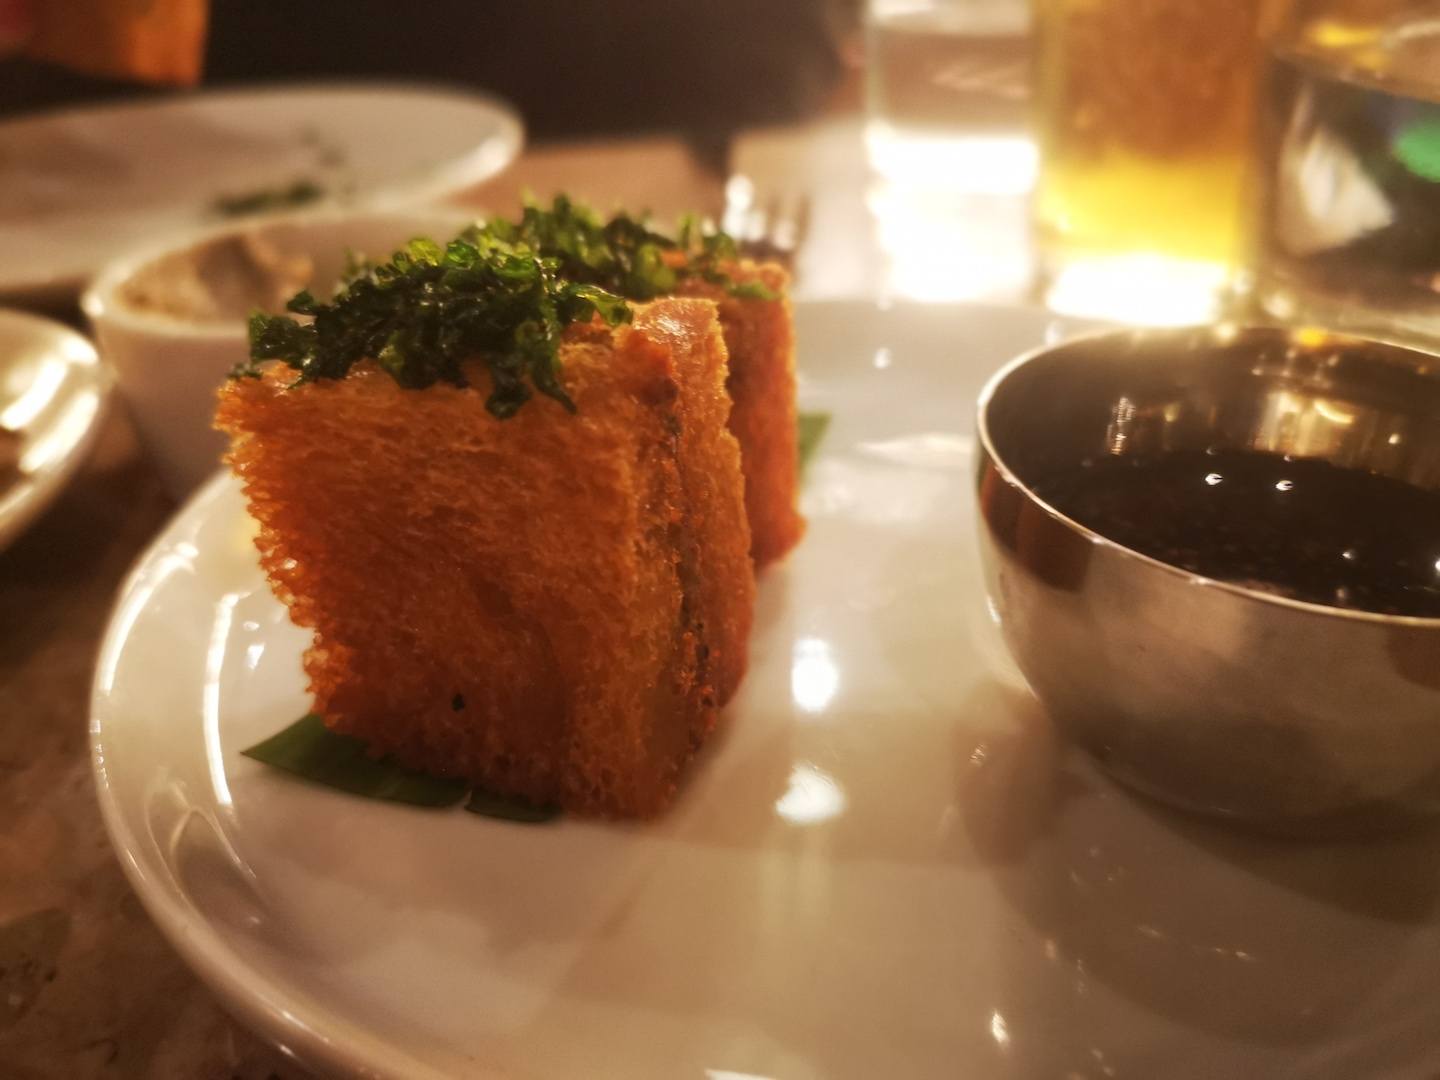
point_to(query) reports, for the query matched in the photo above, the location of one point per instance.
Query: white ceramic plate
(53, 392)
(81, 186)
(885, 867)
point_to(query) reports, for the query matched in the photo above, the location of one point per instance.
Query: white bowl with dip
(171, 321)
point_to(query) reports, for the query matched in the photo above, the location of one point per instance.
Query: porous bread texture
(552, 606)
(760, 337)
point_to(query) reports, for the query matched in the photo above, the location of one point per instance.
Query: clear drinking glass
(1349, 217)
(1146, 113)
(947, 133)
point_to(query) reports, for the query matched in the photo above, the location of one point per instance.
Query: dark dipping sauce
(1296, 527)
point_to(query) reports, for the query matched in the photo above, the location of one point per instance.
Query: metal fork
(772, 227)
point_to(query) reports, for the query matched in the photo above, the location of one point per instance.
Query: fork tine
(769, 227)
(756, 226)
(775, 221)
(789, 222)
(739, 200)
(802, 222)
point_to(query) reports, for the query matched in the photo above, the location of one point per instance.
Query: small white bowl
(171, 321)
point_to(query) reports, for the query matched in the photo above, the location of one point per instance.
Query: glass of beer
(1146, 120)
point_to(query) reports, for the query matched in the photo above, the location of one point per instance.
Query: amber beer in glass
(1146, 116)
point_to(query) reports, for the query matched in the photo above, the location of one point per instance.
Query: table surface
(88, 988)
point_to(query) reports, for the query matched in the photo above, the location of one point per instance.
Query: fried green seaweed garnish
(428, 310)
(624, 255)
(501, 292)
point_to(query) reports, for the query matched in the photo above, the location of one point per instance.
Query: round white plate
(884, 867)
(53, 390)
(81, 186)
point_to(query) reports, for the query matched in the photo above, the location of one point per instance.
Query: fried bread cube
(552, 605)
(760, 338)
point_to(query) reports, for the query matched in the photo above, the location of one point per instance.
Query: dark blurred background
(572, 67)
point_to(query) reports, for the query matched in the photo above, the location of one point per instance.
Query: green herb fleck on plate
(307, 748)
(265, 200)
(311, 751)
(812, 427)
(497, 806)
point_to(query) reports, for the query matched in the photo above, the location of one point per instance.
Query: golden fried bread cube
(552, 605)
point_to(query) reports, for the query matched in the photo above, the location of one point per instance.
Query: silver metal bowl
(1207, 695)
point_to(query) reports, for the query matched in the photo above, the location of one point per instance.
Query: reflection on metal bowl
(1210, 695)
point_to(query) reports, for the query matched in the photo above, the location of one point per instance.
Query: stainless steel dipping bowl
(1212, 696)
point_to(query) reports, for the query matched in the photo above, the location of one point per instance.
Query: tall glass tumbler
(951, 156)
(1349, 222)
(1146, 118)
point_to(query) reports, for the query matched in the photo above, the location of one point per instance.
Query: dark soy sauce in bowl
(1300, 528)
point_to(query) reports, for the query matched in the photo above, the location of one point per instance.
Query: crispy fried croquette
(552, 605)
(760, 338)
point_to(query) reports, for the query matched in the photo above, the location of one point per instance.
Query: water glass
(949, 147)
(1349, 215)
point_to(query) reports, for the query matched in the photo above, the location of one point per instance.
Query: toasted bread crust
(760, 337)
(553, 605)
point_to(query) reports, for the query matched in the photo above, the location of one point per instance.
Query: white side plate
(885, 867)
(79, 187)
(53, 392)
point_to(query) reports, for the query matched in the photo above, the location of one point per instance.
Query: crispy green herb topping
(501, 292)
(624, 255)
(421, 315)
